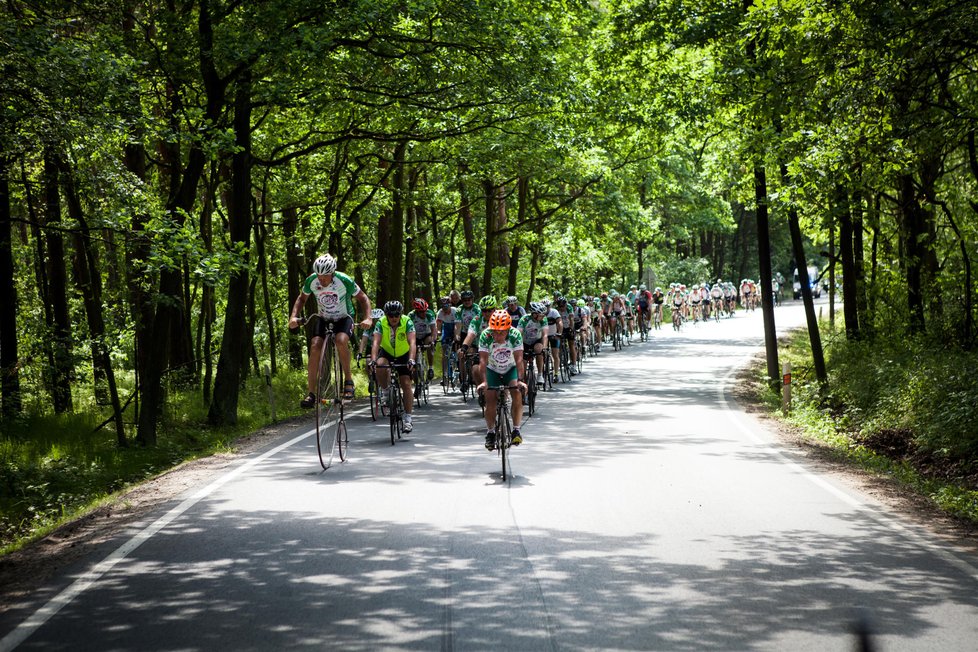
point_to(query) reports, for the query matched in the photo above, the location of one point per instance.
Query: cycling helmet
(500, 321)
(467, 294)
(658, 289)
(581, 303)
(561, 301)
(376, 313)
(642, 287)
(324, 265)
(488, 302)
(537, 307)
(393, 308)
(444, 301)
(420, 304)
(511, 300)
(634, 287)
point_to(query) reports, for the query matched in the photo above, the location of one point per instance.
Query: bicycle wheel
(342, 439)
(531, 391)
(394, 410)
(373, 395)
(504, 431)
(327, 386)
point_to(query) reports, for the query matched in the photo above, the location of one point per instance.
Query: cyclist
(396, 342)
(367, 337)
(501, 360)
(581, 321)
(555, 331)
(643, 301)
(597, 321)
(487, 305)
(515, 310)
(566, 313)
(464, 314)
(424, 328)
(658, 298)
(335, 293)
(445, 326)
(533, 328)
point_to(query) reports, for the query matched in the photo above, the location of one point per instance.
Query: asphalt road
(646, 512)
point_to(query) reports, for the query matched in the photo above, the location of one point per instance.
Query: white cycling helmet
(376, 313)
(325, 264)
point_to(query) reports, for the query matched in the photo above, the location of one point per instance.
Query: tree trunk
(488, 259)
(847, 258)
(293, 276)
(57, 286)
(90, 282)
(468, 229)
(798, 250)
(764, 263)
(227, 383)
(859, 260)
(913, 236)
(9, 374)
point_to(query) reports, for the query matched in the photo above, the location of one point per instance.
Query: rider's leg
(312, 371)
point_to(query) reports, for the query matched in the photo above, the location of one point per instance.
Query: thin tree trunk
(293, 275)
(468, 228)
(798, 250)
(227, 383)
(58, 284)
(90, 281)
(764, 265)
(847, 257)
(12, 404)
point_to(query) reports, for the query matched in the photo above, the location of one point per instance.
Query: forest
(169, 169)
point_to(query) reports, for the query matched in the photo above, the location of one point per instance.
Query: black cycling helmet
(393, 308)
(467, 294)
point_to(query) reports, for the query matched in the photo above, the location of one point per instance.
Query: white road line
(20, 634)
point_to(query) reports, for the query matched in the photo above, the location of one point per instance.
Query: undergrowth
(903, 408)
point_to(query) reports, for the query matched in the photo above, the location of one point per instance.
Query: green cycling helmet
(488, 302)
(581, 303)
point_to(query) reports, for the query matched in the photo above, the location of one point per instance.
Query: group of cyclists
(488, 344)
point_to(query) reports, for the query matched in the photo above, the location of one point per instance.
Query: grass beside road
(903, 409)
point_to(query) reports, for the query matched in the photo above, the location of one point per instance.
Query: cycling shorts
(447, 332)
(342, 325)
(495, 379)
(386, 358)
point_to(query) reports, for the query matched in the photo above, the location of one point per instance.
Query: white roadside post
(786, 387)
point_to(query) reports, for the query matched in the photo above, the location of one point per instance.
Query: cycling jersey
(532, 329)
(395, 342)
(424, 323)
(501, 355)
(466, 315)
(552, 318)
(335, 301)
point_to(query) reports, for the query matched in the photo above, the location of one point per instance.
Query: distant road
(646, 512)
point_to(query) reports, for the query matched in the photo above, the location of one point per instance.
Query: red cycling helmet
(420, 305)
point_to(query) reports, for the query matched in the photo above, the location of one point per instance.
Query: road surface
(646, 512)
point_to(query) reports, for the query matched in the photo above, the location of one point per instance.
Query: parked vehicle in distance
(812, 276)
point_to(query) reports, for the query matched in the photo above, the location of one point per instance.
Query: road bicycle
(449, 365)
(394, 400)
(531, 382)
(420, 377)
(643, 325)
(373, 391)
(565, 374)
(677, 319)
(331, 439)
(548, 367)
(504, 426)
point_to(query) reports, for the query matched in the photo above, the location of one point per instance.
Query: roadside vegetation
(901, 408)
(55, 468)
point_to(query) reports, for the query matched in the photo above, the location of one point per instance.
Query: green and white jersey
(335, 300)
(501, 356)
(424, 323)
(531, 329)
(477, 324)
